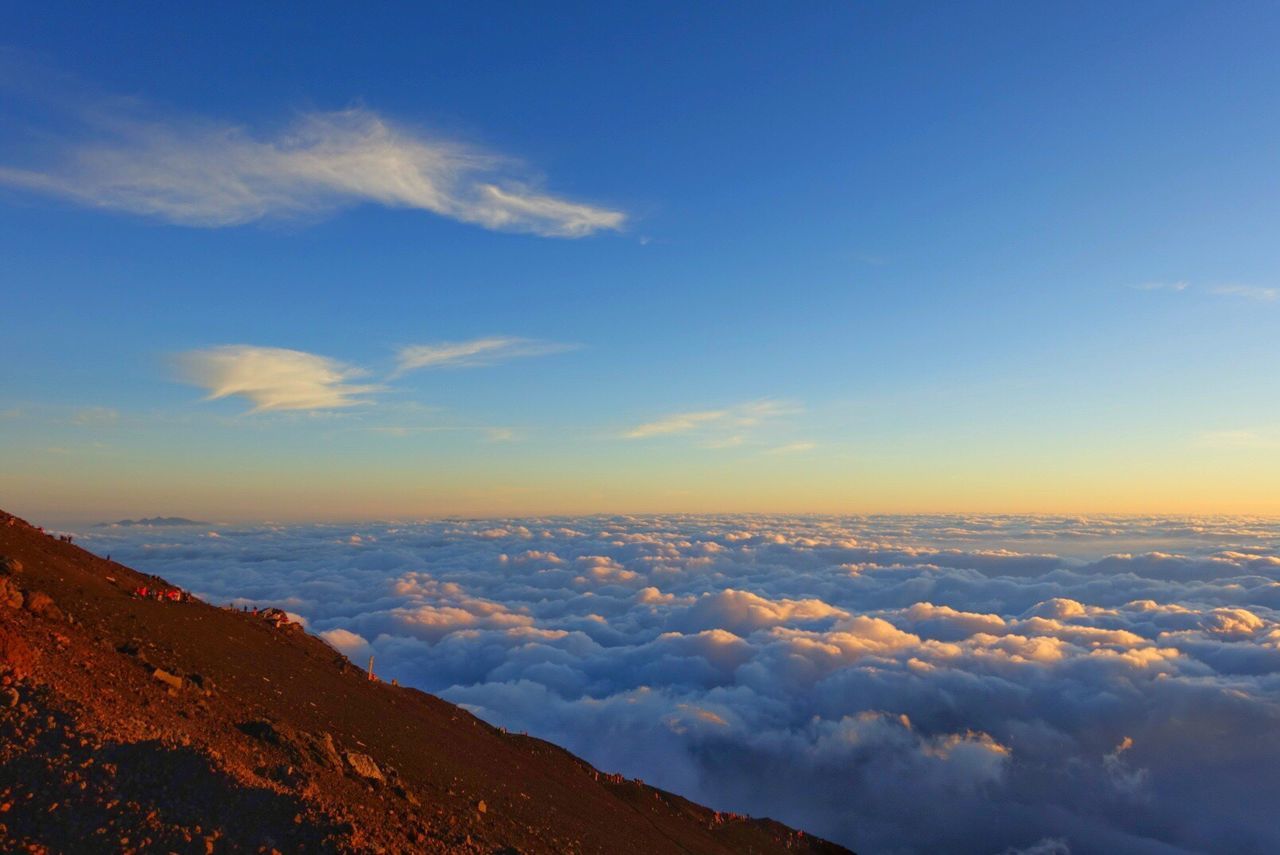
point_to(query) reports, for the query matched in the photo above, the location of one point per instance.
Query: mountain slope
(131, 723)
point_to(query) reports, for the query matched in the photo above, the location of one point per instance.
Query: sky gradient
(494, 260)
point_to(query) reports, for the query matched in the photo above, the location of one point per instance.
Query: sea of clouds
(899, 684)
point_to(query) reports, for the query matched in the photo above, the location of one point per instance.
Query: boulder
(263, 731)
(40, 603)
(363, 765)
(9, 566)
(173, 681)
(323, 751)
(16, 655)
(10, 596)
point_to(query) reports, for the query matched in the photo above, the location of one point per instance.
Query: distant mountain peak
(150, 521)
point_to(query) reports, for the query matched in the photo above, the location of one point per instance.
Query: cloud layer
(901, 684)
(204, 173)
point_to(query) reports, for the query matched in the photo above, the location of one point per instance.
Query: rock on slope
(137, 724)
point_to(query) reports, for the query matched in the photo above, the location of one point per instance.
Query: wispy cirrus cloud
(730, 419)
(473, 353)
(200, 172)
(1240, 438)
(675, 423)
(1162, 286)
(95, 417)
(501, 434)
(1249, 292)
(793, 448)
(275, 378)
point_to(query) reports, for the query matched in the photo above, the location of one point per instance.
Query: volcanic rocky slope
(132, 723)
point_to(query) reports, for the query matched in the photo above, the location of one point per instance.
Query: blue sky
(1008, 257)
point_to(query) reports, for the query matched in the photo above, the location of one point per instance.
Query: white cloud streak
(729, 419)
(676, 423)
(1249, 292)
(203, 173)
(1240, 438)
(476, 352)
(275, 378)
(95, 417)
(1162, 286)
(793, 448)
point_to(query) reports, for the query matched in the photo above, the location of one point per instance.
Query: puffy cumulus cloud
(601, 568)
(901, 684)
(274, 378)
(946, 622)
(353, 645)
(200, 172)
(744, 612)
(430, 609)
(1234, 622)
